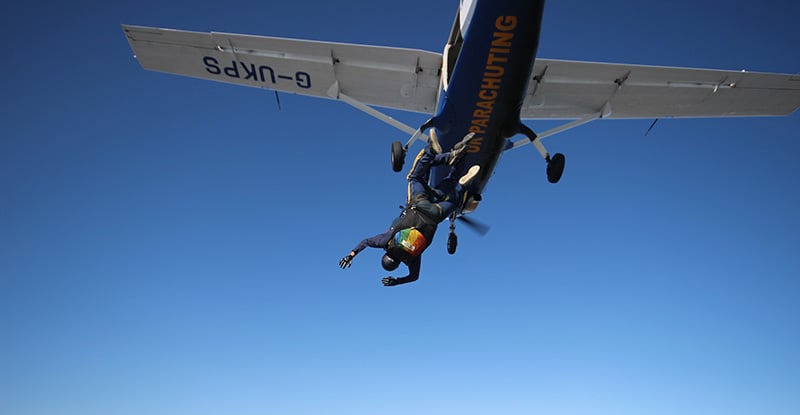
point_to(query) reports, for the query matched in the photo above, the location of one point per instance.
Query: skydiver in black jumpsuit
(412, 232)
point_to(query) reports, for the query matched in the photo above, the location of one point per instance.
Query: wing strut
(553, 131)
(335, 93)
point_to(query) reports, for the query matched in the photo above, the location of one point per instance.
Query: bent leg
(451, 189)
(419, 175)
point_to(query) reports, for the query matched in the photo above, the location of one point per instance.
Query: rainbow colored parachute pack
(411, 240)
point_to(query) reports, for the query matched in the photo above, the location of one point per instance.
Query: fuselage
(487, 67)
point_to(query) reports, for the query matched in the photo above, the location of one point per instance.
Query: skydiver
(413, 231)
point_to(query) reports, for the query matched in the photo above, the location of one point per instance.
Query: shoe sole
(433, 141)
(464, 141)
(469, 176)
(460, 148)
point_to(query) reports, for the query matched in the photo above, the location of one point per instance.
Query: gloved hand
(389, 281)
(347, 261)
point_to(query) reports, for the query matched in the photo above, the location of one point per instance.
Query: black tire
(555, 168)
(452, 243)
(398, 156)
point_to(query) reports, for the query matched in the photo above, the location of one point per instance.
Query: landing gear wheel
(555, 167)
(452, 243)
(398, 156)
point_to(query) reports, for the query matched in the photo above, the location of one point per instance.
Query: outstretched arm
(377, 241)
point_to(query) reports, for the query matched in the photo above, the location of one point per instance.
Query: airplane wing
(572, 90)
(408, 79)
(397, 78)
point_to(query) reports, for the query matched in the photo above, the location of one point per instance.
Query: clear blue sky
(170, 245)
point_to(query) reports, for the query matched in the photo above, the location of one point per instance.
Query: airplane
(486, 81)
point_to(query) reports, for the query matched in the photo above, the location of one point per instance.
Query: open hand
(347, 261)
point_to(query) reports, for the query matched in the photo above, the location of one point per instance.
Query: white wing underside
(570, 89)
(399, 78)
(408, 79)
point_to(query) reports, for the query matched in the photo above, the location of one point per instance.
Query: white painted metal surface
(408, 79)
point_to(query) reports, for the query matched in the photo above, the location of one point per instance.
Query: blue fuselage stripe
(489, 81)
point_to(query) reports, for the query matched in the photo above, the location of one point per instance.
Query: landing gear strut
(555, 164)
(399, 149)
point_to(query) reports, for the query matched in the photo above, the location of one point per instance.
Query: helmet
(389, 263)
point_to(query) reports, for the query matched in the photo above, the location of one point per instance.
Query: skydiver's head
(388, 263)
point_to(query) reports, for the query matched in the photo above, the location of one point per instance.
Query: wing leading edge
(398, 78)
(571, 89)
(408, 79)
